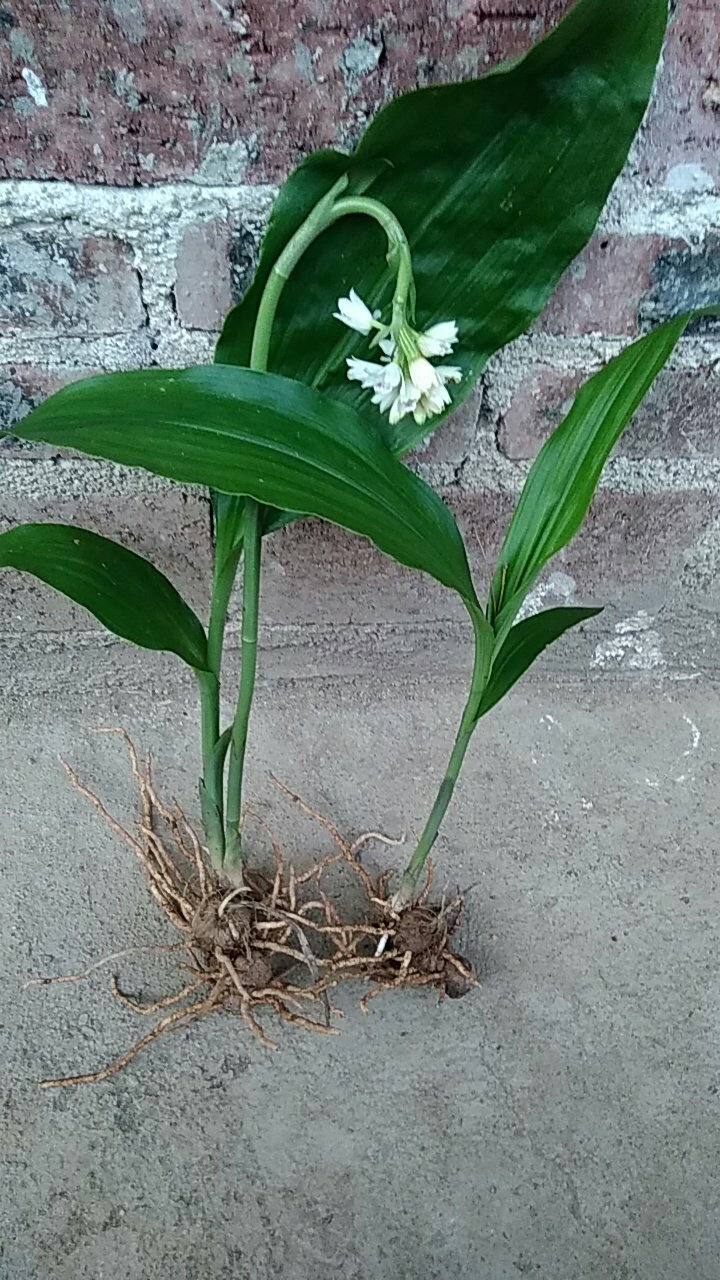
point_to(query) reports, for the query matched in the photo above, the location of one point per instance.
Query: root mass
(278, 944)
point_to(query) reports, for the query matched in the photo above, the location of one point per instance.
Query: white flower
(422, 374)
(437, 397)
(439, 339)
(404, 382)
(353, 312)
(366, 372)
(390, 389)
(384, 380)
(406, 400)
(392, 392)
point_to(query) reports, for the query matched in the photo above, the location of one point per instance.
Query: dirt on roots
(276, 944)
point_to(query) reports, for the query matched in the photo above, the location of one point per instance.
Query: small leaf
(261, 436)
(523, 645)
(228, 518)
(498, 183)
(221, 747)
(125, 593)
(562, 480)
(228, 515)
(276, 519)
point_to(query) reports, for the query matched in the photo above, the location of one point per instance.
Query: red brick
(679, 418)
(683, 124)
(543, 397)
(635, 540)
(600, 291)
(81, 286)
(139, 90)
(627, 540)
(204, 280)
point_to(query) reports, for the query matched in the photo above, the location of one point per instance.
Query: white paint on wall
(35, 87)
(635, 645)
(690, 177)
(558, 587)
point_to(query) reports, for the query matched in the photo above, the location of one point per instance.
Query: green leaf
(523, 645)
(498, 183)
(265, 437)
(124, 592)
(563, 477)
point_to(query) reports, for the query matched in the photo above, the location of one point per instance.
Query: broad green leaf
(563, 477)
(125, 593)
(498, 183)
(523, 645)
(260, 436)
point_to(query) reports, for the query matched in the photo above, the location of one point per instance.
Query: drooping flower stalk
(409, 384)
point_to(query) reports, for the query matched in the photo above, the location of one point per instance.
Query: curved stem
(329, 210)
(322, 217)
(481, 670)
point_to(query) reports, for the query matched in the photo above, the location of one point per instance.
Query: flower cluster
(404, 382)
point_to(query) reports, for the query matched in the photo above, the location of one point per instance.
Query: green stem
(211, 783)
(323, 216)
(211, 791)
(252, 548)
(481, 668)
(223, 583)
(329, 210)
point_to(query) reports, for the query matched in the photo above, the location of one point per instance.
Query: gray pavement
(561, 1122)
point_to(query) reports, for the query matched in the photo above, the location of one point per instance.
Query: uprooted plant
(444, 232)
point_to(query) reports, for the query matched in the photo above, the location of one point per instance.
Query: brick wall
(140, 143)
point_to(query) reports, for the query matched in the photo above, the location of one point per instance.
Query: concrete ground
(561, 1122)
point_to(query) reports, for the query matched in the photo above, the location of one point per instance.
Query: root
(173, 1020)
(99, 964)
(164, 1003)
(278, 944)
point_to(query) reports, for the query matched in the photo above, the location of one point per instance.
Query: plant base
(276, 944)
